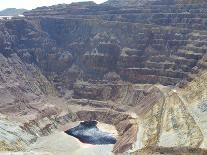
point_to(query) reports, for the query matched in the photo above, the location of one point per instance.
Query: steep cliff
(154, 43)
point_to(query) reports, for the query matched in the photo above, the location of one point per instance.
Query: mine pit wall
(138, 53)
(168, 123)
(168, 73)
(47, 125)
(102, 92)
(165, 40)
(194, 97)
(44, 47)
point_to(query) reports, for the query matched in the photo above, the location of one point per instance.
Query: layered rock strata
(118, 63)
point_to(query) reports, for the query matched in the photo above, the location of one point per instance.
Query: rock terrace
(139, 65)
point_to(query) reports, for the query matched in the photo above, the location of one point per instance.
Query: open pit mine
(125, 77)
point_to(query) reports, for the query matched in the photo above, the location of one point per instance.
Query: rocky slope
(148, 44)
(137, 65)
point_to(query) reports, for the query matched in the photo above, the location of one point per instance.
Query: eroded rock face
(13, 138)
(117, 63)
(127, 39)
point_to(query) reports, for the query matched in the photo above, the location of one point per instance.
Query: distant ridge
(12, 12)
(122, 3)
